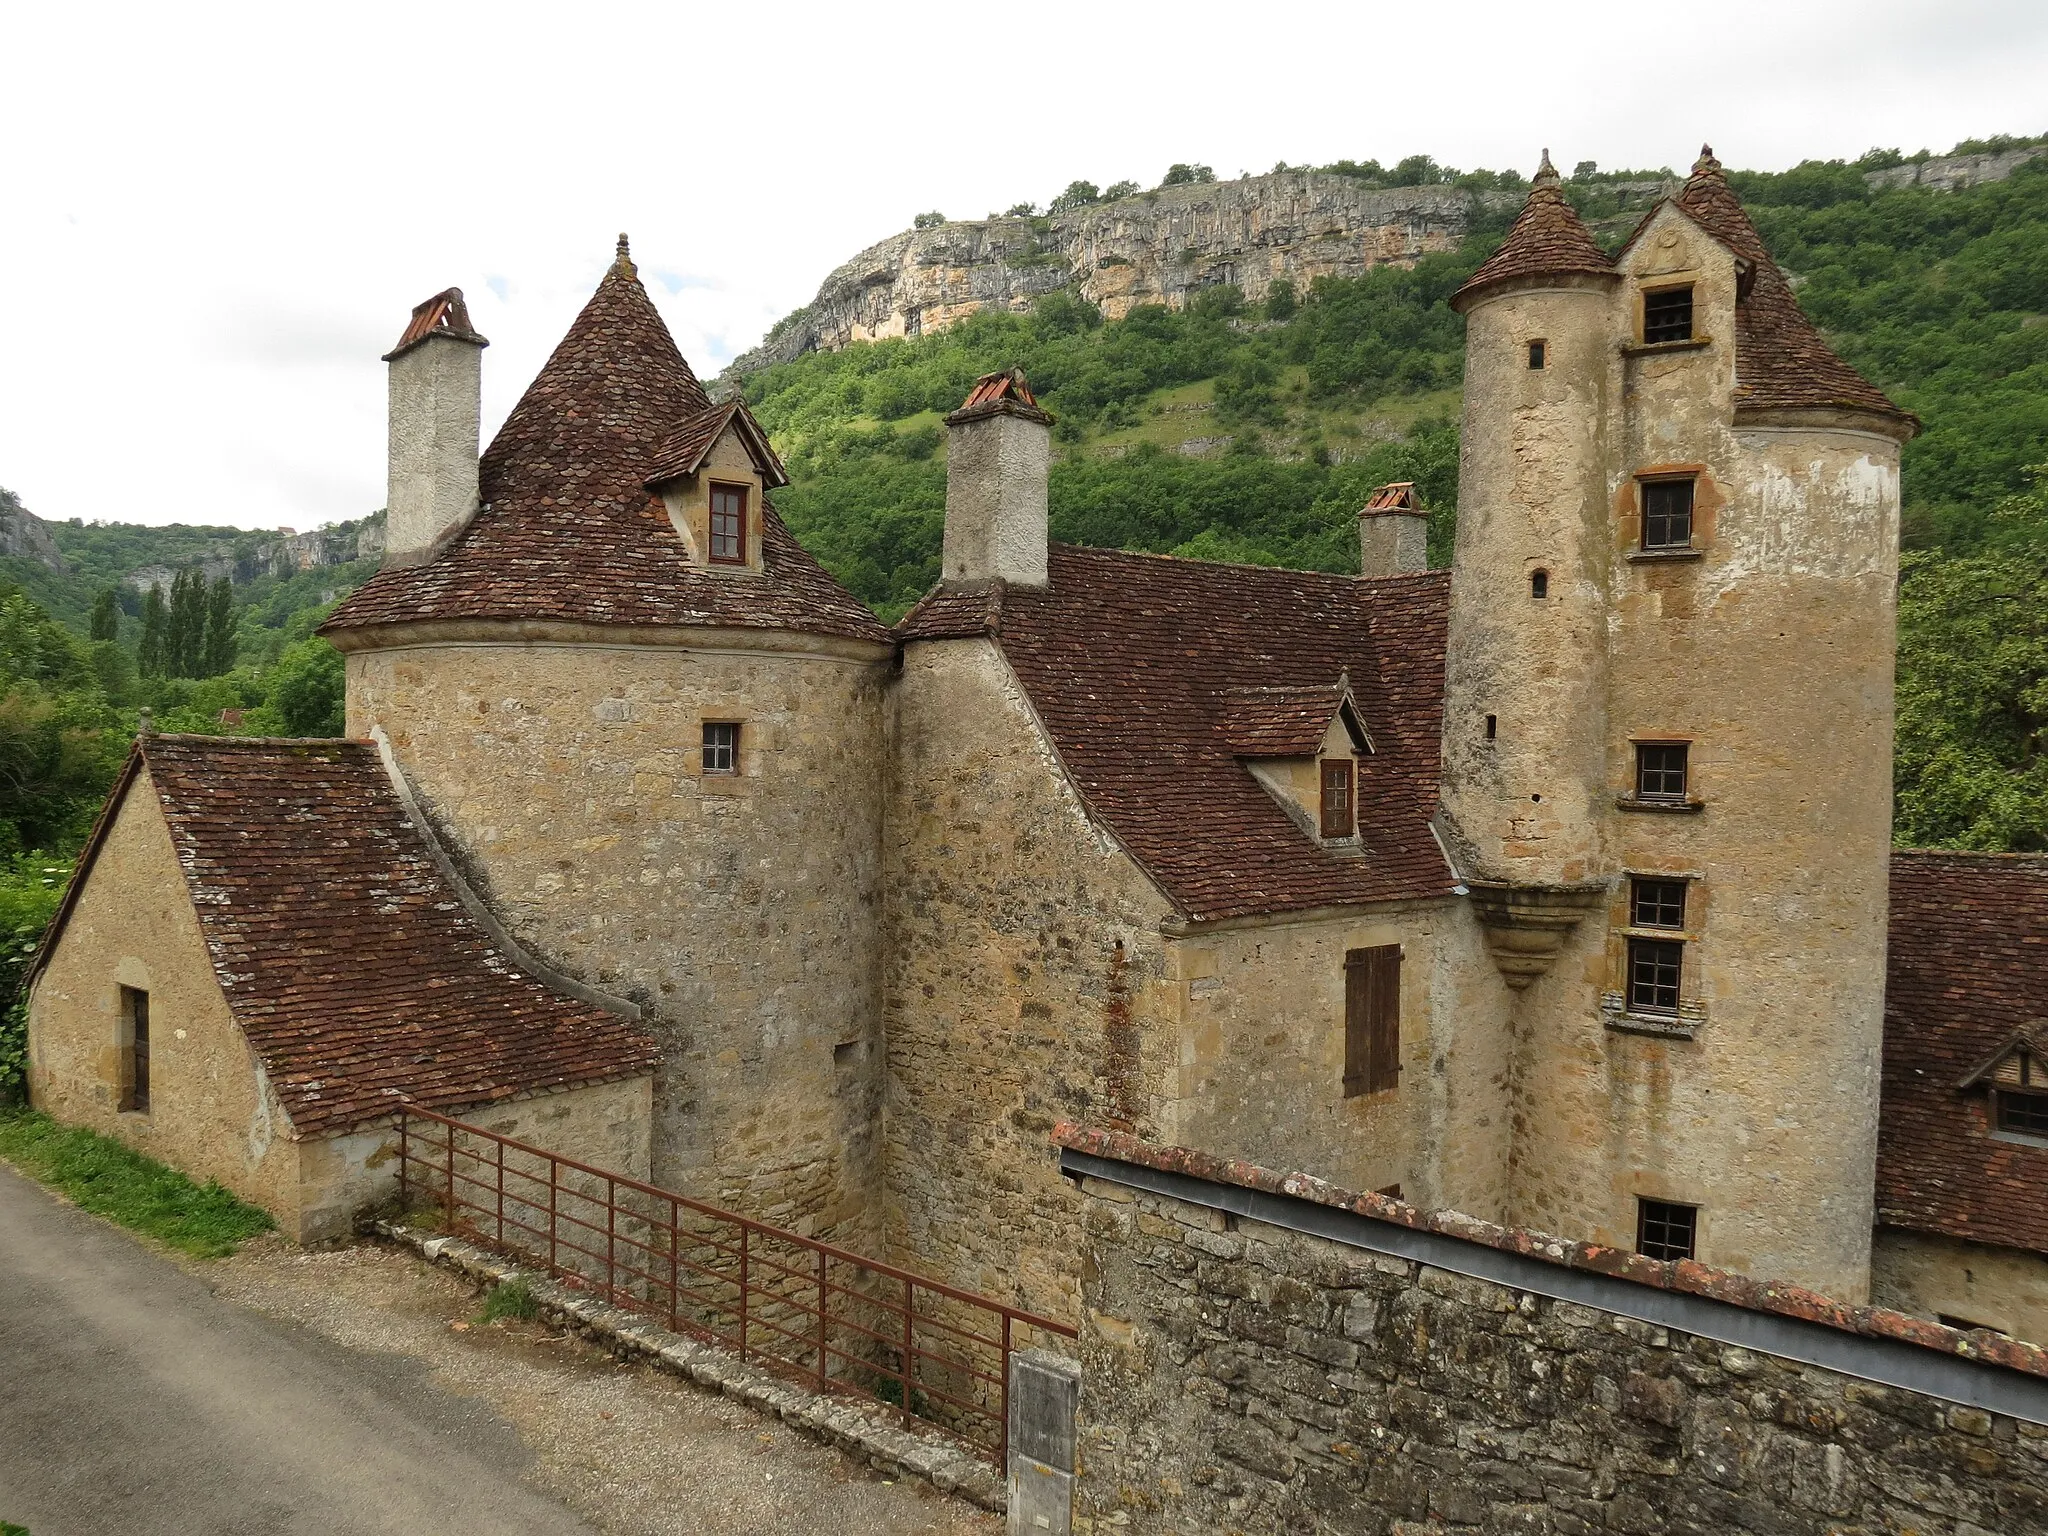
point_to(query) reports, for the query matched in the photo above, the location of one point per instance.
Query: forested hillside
(1227, 431)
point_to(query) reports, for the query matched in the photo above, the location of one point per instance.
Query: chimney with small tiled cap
(436, 383)
(998, 453)
(1393, 532)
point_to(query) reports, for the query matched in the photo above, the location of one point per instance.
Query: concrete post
(1045, 1399)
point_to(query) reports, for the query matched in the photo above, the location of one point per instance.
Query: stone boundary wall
(1247, 1376)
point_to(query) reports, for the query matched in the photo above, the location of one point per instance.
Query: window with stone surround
(1372, 1020)
(1661, 771)
(135, 1050)
(721, 746)
(1537, 357)
(1667, 314)
(1339, 818)
(728, 524)
(1667, 512)
(1666, 1229)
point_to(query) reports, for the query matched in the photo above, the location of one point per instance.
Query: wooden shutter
(1372, 1020)
(1338, 819)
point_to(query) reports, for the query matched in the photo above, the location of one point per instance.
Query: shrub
(930, 220)
(1179, 175)
(511, 1298)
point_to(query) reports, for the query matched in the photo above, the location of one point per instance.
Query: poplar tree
(106, 615)
(151, 654)
(219, 649)
(186, 644)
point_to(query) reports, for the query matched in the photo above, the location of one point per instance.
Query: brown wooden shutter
(1338, 819)
(1372, 1020)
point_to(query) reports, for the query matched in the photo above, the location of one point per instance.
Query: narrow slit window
(1666, 1229)
(1667, 314)
(1372, 1020)
(1492, 727)
(729, 524)
(1657, 904)
(1654, 966)
(721, 746)
(1536, 354)
(1667, 514)
(1661, 772)
(1339, 813)
(1539, 584)
(135, 1050)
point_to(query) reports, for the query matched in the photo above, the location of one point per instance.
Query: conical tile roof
(1547, 240)
(1781, 360)
(569, 530)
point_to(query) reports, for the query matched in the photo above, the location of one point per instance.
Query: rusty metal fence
(827, 1317)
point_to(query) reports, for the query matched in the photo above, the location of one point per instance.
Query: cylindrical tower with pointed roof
(648, 727)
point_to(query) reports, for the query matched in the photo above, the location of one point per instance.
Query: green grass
(100, 1175)
(12, 1530)
(514, 1298)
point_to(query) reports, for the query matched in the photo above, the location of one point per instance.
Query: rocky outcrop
(1951, 173)
(281, 554)
(23, 535)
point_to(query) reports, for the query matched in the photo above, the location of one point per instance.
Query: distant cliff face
(281, 554)
(1155, 248)
(24, 535)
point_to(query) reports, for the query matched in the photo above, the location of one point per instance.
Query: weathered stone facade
(1246, 1379)
(1979, 1284)
(212, 1112)
(741, 911)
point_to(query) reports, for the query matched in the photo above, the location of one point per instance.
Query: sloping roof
(684, 450)
(1968, 969)
(1395, 496)
(445, 314)
(1781, 360)
(1547, 240)
(346, 959)
(569, 530)
(999, 393)
(1281, 722)
(1132, 662)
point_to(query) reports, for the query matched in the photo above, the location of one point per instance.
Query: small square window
(1665, 1229)
(1536, 354)
(1667, 514)
(1657, 903)
(1661, 771)
(729, 524)
(1653, 972)
(721, 746)
(1667, 314)
(1339, 818)
(2023, 1114)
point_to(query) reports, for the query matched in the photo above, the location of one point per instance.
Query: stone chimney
(436, 412)
(998, 450)
(1393, 532)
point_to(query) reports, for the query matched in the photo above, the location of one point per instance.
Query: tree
(1280, 300)
(106, 615)
(1179, 175)
(1079, 194)
(1585, 170)
(1117, 189)
(1416, 171)
(152, 653)
(307, 690)
(930, 220)
(218, 650)
(185, 645)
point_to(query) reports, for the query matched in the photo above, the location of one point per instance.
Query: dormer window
(2017, 1076)
(1340, 810)
(728, 524)
(1667, 315)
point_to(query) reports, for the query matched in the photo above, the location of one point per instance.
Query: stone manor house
(1556, 888)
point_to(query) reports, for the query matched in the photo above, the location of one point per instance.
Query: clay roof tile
(1547, 240)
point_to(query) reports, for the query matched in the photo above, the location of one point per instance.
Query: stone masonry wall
(742, 910)
(1239, 1378)
(1931, 1275)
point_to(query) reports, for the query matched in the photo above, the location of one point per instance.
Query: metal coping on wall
(1888, 1362)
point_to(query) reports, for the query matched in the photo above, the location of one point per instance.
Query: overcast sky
(214, 218)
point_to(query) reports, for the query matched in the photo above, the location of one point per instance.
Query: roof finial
(623, 263)
(1706, 165)
(1546, 173)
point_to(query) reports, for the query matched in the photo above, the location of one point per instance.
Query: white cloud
(218, 216)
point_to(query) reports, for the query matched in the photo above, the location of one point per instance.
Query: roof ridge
(1548, 239)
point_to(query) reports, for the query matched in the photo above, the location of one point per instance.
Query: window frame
(1346, 770)
(729, 749)
(1646, 485)
(1666, 291)
(1662, 1215)
(1539, 586)
(135, 1053)
(1653, 893)
(1372, 1020)
(739, 516)
(2002, 1098)
(1656, 952)
(1666, 796)
(1539, 354)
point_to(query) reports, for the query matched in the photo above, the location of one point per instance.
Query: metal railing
(826, 1316)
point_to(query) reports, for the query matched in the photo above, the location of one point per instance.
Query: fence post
(553, 1267)
(1044, 1399)
(675, 1241)
(821, 1319)
(909, 1339)
(448, 1199)
(404, 1155)
(744, 1230)
(501, 1193)
(611, 1239)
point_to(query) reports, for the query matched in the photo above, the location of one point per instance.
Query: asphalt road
(133, 1401)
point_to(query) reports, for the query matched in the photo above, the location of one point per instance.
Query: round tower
(1524, 753)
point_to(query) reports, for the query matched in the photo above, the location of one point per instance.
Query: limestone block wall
(1241, 1377)
(741, 911)
(1261, 1070)
(211, 1112)
(1026, 982)
(1930, 1275)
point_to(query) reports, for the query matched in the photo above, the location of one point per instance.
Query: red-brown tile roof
(1968, 968)
(349, 964)
(1132, 660)
(1547, 240)
(569, 530)
(684, 450)
(1397, 496)
(1006, 391)
(446, 314)
(1280, 722)
(1781, 360)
